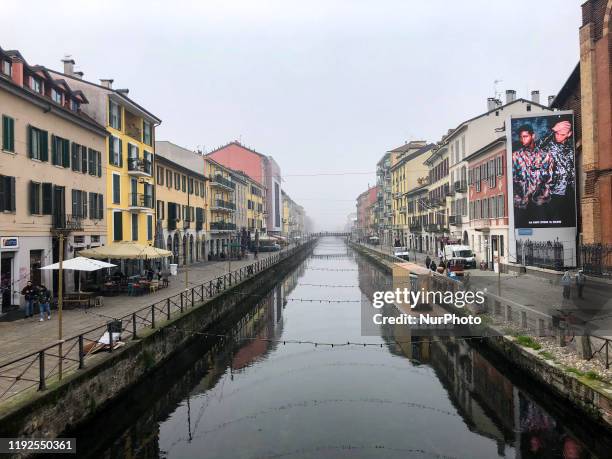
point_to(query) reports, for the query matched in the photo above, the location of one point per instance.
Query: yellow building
(222, 207)
(407, 172)
(256, 198)
(181, 202)
(129, 157)
(293, 218)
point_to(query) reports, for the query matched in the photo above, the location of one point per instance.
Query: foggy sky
(323, 86)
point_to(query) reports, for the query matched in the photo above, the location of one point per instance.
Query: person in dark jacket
(28, 292)
(580, 281)
(427, 261)
(433, 266)
(43, 298)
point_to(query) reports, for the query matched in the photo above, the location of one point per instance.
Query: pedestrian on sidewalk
(43, 298)
(427, 261)
(566, 282)
(432, 266)
(28, 293)
(580, 281)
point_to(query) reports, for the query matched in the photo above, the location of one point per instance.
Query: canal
(267, 384)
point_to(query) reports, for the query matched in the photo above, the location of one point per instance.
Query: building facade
(436, 229)
(384, 204)
(293, 219)
(52, 177)
(129, 157)
(222, 207)
(181, 204)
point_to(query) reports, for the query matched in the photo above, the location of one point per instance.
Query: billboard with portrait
(542, 180)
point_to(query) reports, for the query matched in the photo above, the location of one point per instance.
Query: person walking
(432, 266)
(43, 298)
(566, 282)
(28, 292)
(427, 261)
(580, 281)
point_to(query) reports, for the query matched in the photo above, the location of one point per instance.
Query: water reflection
(252, 396)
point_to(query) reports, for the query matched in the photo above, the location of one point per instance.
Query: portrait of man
(543, 173)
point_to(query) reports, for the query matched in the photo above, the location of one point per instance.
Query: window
(56, 96)
(79, 203)
(190, 185)
(134, 227)
(74, 105)
(7, 194)
(177, 181)
(501, 245)
(147, 133)
(501, 206)
(35, 84)
(91, 161)
(168, 178)
(114, 115)
(35, 189)
(183, 183)
(60, 151)
(117, 226)
(84, 160)
(160, 175)
(148, 161)
(500, 166)
(115, 151)
(149, 227)
(160, 208)
(8, 133)
(47, 198)
(76, 156)
(96, 206)
(7, 68)
(116, 189)
(132, 155)
(38, 144)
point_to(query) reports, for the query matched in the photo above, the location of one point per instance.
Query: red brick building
(596, 120)
(365, 212)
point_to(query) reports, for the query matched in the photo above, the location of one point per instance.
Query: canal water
(252, 391)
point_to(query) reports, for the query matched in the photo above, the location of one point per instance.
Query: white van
(462, 252)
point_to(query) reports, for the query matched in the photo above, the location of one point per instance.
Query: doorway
(6, 280)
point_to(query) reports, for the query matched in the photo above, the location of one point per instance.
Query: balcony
(223, 206)
(221, 182)
(140, 202)
(415, 227)
(481, 223)
(455, 220)
(460, 186)
(435, 228)
(64, 223)
(133, 125)
(139, 167)
(436, 202)
(219, 227)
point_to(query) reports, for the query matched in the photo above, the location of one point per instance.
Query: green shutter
(99, 158)
(53, 150)
(43, 140)
(32, 190)
(120, 153)
(30, 134)
(65, 153)
(75, 156)
(110, 149)
(2, 194)
(117, 226)
(47, 202)
(12, 197)
(100, 206)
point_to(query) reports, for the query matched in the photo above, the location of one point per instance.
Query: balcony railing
(67, 222)
(460, 186)
(221, 204)
(141, 200)
(481, 223)
(139, 166)
(219, 180)
(436, 202)
(455, 219)
(415, 227)
(222, 226)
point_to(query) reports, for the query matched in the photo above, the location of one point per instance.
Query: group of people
(566, 283)
(37, 295)
(440, 268)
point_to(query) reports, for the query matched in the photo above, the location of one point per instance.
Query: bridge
(330, 233)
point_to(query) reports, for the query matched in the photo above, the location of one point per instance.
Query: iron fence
(596, 259)
(542, 254)
(46, 365)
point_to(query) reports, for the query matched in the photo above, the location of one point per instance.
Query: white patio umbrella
(80, 264)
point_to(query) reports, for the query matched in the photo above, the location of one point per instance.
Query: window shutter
(91, 160)
(11, 134)
(53, 150)
(32, 190)
(30, 134)
(92, 206)
(75, 207)
(47, 202)
(111, 142)
(99, 157)
(75, 156)
(117, 226)
(100, 206)
(66, 153)
(84, 202)
(120, 153)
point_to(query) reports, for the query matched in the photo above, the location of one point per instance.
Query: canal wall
(590, 396)
(79, 396)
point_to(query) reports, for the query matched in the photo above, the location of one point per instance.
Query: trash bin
(173, 269)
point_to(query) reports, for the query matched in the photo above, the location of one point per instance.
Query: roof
(416, 154)
(407, 146)
(166, 152)
(485, 149)
(417, 190)
(238, 144)
(568, 87)
(463, 124)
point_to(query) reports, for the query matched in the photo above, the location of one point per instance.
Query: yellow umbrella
(126, 250)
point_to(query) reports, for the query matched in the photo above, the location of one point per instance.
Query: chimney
(550, 100)
(107, 83)
(78, 75)
(124, 91)
(68, 65)
(535, 96)
(17, 71)
(491, 105)
(510, 95)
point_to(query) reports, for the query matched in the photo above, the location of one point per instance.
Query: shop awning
(80, 264)
(126, 250)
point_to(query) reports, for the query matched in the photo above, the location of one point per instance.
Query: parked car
(402, 253)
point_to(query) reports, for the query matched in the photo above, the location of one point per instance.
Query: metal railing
(223, 226)
(220, 180)
(460, 186)
(545, 254)
(67, 222)
(220, 203)
(139, 165)
(596, 259)
(39, 368)
(141, 200)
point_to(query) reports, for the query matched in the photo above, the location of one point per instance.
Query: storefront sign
(9, 243)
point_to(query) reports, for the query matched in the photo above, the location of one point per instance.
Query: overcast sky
(323, 86)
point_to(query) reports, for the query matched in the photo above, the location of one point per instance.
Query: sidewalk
(21, 337)
(540, 293)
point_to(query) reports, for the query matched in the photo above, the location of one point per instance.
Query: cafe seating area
(133, 285)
